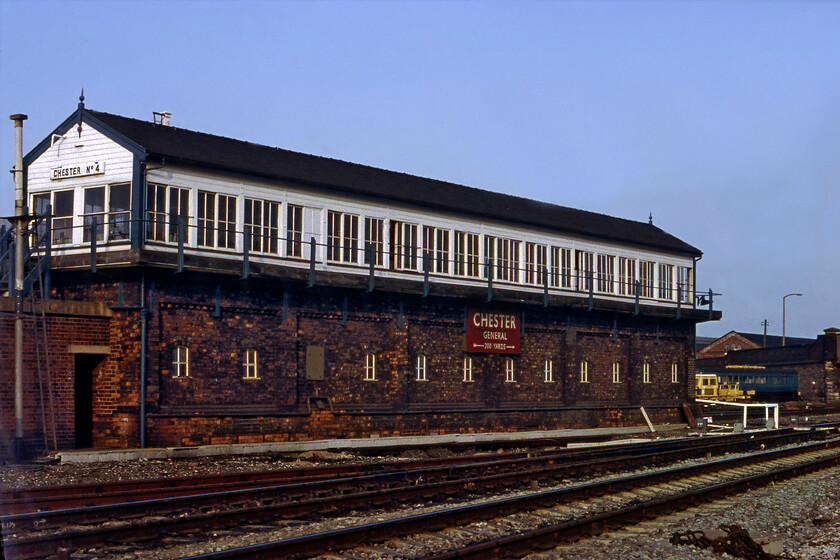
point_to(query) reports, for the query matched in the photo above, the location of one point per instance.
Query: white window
(181, 362)
(436, 244)
(251, 371)
(646, 372)
(674, 372)
(549, 371)
(468, 368)
(616, 370)
(509, 369)
(342, 237)
(216, 223)
(646, 271)
(626, 276)
(684, 283)
(178, 212)
(370, 366)
(61, 203)
(535, 263)
(420, 367)
(666, 281)
(466, 254)
(403, 246)
(507, 260)
(294, 230)
(584, 371)
(262, 218)
(561, 267)
(375, 237)
(584, 269)
(606, 273)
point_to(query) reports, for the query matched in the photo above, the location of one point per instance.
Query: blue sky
(722, 119)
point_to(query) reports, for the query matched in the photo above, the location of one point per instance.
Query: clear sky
(722, 119)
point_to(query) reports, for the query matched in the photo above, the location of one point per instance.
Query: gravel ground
(804, 513)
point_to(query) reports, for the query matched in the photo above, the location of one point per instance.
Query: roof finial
(650, 219)
(81, 108)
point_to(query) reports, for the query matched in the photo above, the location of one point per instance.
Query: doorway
(83, 400)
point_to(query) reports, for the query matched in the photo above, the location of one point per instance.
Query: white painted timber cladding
(71, 150)
(94, 146)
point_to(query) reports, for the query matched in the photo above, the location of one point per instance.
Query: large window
(119, 212)
(584, 269)
(178, 212)
(561, 267)
(62, 211)
(294, 231)
(535, 263)
(686, 288)
(155, 212)
(606, 273)
(666, 281)
(216, 223)
(466, 254)
(164, 207)
(94, 213)
(504, 253)
(646, 271)
(436, 244)
(263, 219)
(375, 237)
(403, 246)
(626, 276)
(342, 237)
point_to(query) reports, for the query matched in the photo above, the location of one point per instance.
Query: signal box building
(254, 294)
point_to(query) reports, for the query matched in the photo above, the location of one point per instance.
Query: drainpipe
(143, 348)
(20, 210)
(144, 318)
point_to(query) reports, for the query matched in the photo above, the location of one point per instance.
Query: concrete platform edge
(109, 455)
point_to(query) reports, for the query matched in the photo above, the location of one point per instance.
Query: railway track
(515, 527)
(327, 492)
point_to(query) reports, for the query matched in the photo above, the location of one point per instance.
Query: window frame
(251, 364)
(646, 372)
(468, 370)
(616, 372)
(370, 367)
(548, 370)
(584, 371)
(420, 368)
(181, 362)
(510, 370)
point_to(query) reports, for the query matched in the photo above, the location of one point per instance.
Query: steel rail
(310, 545)
(255, 506)
(24, 500)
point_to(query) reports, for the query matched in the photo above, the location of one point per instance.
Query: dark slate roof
(206, 150)
(774, 341)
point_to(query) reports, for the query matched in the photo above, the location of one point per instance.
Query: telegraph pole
(20, 242)
(765, 322)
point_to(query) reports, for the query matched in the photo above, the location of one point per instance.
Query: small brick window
(549, 371)
(250, 363)
(421, 367)
(584, 371)
(468, 368)
(674, 372)
(646, 372)
(509, 371)
(181, 362)
(616, 368)
(370, 366)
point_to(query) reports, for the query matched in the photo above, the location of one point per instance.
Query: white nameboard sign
(83, 170)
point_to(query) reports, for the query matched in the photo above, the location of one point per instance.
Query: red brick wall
(215, 404)
(48, 407)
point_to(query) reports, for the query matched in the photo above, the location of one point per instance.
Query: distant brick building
(733, 340)
(258, 294)
(816, 361)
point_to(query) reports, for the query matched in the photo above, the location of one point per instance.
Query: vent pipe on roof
(162, 117)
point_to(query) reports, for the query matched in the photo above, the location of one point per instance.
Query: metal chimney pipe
(20, 243)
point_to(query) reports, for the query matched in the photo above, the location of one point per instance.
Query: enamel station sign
(492, 332)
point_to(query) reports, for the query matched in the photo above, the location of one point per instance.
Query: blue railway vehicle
(768, 384)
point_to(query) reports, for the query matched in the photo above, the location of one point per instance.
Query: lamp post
(783, 315)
